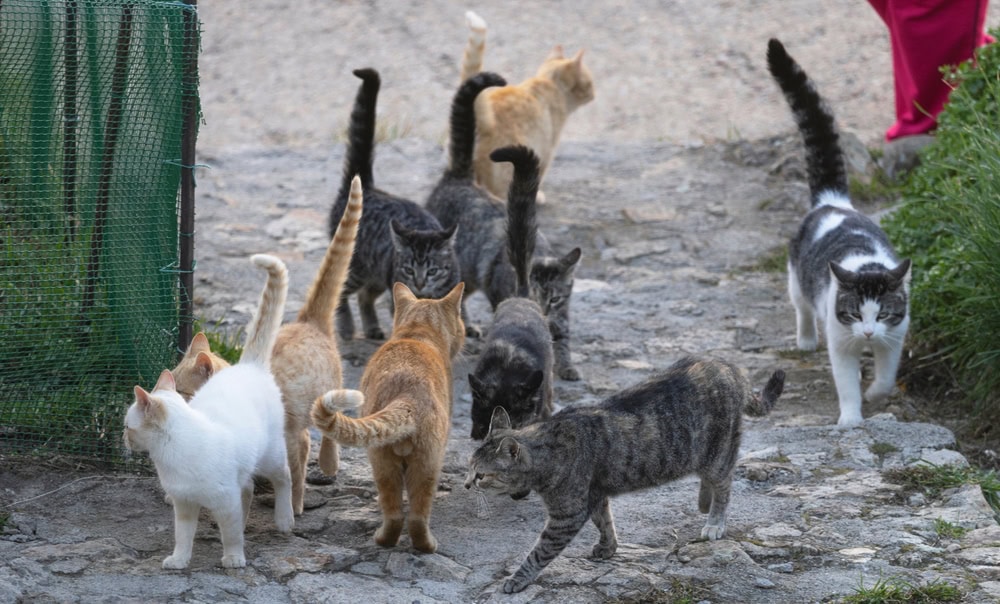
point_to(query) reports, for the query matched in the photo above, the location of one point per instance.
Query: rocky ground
(681, 183)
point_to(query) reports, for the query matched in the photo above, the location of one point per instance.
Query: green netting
(92, 105)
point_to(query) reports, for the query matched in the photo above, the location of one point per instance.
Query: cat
(842, 270)
(531, 113)
(306, 359)
(515, 367)
(686, 420)
(398, 240)
(406, 402)
(206, 452)
(480, 241)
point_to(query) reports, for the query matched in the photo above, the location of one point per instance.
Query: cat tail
(761, 404)
(324, 293)
(522, 226)
(472, 58)
(824, 157)
(263, 328)
(386, 426)
(360, 142)
(463, 123)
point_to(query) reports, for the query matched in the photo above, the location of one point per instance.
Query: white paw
(234, 561)
(807, 344)
(849, 420)
(176, 562)
(540, 198)
(284, 522)
(713, 532)
(877, 393)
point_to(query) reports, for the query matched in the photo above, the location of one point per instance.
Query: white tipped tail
(342, 399)
(472, 59)
(263, 327)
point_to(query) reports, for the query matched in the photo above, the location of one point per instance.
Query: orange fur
(407, 394)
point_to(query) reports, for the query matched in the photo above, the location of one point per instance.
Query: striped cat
(686, 420)
(842, 271)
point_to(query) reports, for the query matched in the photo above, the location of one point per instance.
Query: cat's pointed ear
(450, 235)
(142, 398)
(166, 382)
(569, 260)
(476, 385)
(500, 420)
(844, 276)
(199, 343)
(401, 296)
(900, 275)
(578, 58)
(510, 447)
(454, 297)
(533, 382)
(203, 365)
(398, 232)
(556, 52)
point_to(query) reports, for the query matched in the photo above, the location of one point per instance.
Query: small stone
(763, 583)
(784, 567)
(917, 500)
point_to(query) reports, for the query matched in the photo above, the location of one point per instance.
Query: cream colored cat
(406, 396)
(531, 113)
(306, 360)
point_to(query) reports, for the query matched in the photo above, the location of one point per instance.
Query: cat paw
(849, 420)
(514, 585)
(375, 333)
(540, 198)
(427, 544)
(807, 344)
(234, 561)
(473, 331)
(713, 532)
(175, 562)
(570, 374)
(284, 522)
(877, 393)
(604, 551)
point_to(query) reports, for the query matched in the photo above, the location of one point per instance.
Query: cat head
(501, 464)
(198, 364)
(522, 401)
(552, 281)
(872, 301)
(425, 261)
(571, 75)
(442, 317)
(146, 419)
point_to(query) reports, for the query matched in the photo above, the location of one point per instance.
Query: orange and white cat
(208, 450)
(531, 113)
(406, 402)
(306, 360)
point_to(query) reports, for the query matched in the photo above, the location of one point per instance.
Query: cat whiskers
(483, 508)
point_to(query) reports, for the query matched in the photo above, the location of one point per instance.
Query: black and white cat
(842, 271)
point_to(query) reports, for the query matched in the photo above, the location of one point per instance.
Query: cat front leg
(230, 520)
(605, 524)
(846, 366)
(559, 328)
(345, 320)
(471, 331)
(369, 318)
(185, 526)
(887, 356)
(558, 532)
(806, 337)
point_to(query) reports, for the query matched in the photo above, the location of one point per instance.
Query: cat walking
(843, 273)
(686, 420)
(207, 452)
(406, 402)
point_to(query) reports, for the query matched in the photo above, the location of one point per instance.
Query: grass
(679, 592)
(932, 480)
(774, 260)
(224, 342)
(947, 530)
(882, 449)
(897, 590)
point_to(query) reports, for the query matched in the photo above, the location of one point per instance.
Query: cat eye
(407, 271)
(432, 271)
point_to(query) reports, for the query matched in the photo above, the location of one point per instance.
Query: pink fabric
(926, 34)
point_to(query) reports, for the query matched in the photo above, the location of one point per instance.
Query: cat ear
(500, 420)
(569, 260)
(166, 382)
(556, 52)
(900, 275)
(199, 343)
(578, 58)
(454, 297)
(476, 384)
(844, 276)
(450, 239)
(142, 398)
(397, 232)
(509, 447)
(401, 295)
(203, 364)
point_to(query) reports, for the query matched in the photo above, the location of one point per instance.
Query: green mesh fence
(93, 96)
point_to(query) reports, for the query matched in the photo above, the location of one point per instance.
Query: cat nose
(868, 333)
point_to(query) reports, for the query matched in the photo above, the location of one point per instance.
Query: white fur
(476, 23)
(835, 199)
(342, 399)
(827, 224)
(207, 452)
(805, 318)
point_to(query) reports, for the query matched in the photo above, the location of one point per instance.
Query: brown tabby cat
(305, 361)
(406, 398)
(531, 113)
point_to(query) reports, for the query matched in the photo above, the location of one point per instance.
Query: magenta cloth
(926, 34)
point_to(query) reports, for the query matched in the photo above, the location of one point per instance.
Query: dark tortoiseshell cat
(686, 420)
(398, 240)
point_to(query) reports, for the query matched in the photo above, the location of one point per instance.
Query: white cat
(207, 451)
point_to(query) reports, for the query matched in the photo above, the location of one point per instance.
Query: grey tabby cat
(397, 240)
(481, 243)
(842, 270)
(686, 420)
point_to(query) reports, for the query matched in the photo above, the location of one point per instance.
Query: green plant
(947, 530)
(882, 449)
(774, 260)
(679, 592)
(897, 590)
(932, 479)
(224, 342)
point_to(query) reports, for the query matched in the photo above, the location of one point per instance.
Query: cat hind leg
(421, 486)
(605, 524)
(715, 527)
(230, 519)
(806, 337)
(389, 482)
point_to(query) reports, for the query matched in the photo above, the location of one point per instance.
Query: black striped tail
(463, 122)
(522, 226)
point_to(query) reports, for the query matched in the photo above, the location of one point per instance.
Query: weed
(679, 592)
(947, 530)
(774, 260)
(223, 342)
(932, 479)
(897, 590)
(882, 449)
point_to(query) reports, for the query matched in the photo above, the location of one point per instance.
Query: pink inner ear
(166, 382)
(141, 397)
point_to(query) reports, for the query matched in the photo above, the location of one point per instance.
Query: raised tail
(472, 58)
(761, 404)
(522, 225)
(360, 142)
(324, 293)
(382, 428)
(264, 325)
(824, 157)
(463, 122)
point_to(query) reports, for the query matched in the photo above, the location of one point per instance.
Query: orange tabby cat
(406, 397)
(531, 113)
(305, 361)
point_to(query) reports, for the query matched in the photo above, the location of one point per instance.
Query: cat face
(552, 282)
(425, 260)
(871, 302)
(521, 401)
(148, 414)
(500, 464)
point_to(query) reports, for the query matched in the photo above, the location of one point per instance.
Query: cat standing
(406, 403)
(685, 421)
(398, 240)
(842, 270)
(306, 359)
(207, 452)
(531, 113)
(481, 242)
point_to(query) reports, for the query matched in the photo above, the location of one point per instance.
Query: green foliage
(949, 225)
(897, 590)
(947, 530)
(223, 342)
(931, 480)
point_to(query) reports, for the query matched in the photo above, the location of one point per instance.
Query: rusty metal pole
(189, 136)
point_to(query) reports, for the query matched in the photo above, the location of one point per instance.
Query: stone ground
(679, 182)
